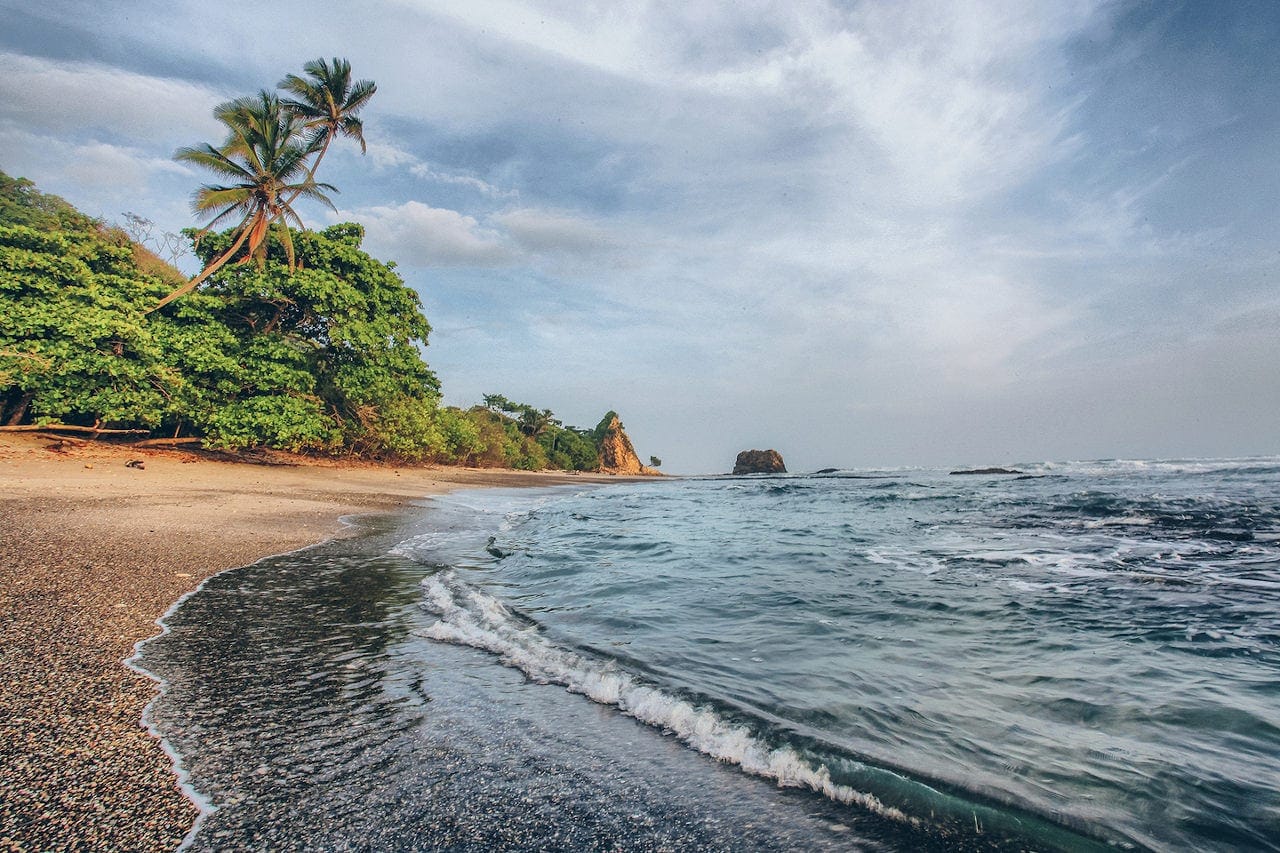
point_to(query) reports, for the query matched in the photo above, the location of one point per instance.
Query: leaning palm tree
(328, 102)
(265, 159)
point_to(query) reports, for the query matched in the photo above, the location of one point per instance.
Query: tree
(271, 154)
(498, 403)
(167, 245)
(602, 428)
(267, 161)
(655, 462)
(328, 104)
(325, 356)
(72, 346)
(534, 423)
(322, 356)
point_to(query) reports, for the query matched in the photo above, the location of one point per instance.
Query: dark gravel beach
(91, 553)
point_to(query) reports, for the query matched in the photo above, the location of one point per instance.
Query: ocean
(1084, 656)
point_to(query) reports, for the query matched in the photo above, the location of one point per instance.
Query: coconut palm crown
(265, 160)
(270, 156)
(328, 102)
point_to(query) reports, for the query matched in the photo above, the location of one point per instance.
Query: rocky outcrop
(759, 462)
(617, 456)
(972, 471)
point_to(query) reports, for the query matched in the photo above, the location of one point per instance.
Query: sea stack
(759, 462)
(617, 456)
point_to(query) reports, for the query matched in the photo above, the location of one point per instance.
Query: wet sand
(92, 552)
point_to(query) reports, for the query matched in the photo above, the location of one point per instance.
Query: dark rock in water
(826, 470)
(989, 471)
(759, 462)
(495, 550)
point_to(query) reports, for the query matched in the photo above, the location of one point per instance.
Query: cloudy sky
(862, 233)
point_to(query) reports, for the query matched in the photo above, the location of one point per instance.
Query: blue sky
(868, 233)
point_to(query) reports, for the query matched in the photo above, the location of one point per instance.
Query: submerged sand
(92, 552)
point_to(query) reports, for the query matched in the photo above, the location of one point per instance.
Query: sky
(860, 233)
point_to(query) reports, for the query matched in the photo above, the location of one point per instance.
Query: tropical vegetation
(286, 338)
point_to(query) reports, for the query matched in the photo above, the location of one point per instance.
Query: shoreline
(92, 554)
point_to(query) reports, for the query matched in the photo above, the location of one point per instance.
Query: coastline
(92, 554)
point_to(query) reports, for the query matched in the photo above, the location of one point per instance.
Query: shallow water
(1089, 657)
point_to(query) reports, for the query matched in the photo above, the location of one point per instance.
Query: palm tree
(328, 102)
(266, 160)
(534, 423)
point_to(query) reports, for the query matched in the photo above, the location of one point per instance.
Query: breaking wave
(471, 618)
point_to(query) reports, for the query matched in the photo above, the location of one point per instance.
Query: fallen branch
(65, 439)
(166, 442)
(70, 428)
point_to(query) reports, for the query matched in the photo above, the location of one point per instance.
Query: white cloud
(428, 173)
(954, 97)
(62, 97)
(551, 231)
(419, 235)
(892, 202)
(389, 156)
(50, 161)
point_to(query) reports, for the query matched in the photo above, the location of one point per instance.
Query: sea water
(1082, 656)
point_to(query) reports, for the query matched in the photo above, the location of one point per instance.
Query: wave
(471, 618)
(1231, 466)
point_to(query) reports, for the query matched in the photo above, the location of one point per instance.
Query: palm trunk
(212, 268)
(311, 173)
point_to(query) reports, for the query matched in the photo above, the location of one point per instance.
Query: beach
(893, 659)
(93, 550)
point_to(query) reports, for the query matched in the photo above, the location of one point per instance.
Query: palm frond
(308, 94)
(314, 191)
(359, 94)
(286, 240)
(214, 160)
(352, 128)
(208, 197)
(223, 215)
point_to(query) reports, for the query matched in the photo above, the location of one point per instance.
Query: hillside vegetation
(286, 338)
(318, 354)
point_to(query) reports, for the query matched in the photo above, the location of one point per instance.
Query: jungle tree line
(285, 338)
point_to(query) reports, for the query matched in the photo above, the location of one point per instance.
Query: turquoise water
(1088, 656)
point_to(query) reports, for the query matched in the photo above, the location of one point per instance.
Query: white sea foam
(425, 543)
(471, 618)
(1122, 521)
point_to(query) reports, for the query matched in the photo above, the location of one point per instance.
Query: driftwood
(166, 442)
(70, 428)
(64, 439)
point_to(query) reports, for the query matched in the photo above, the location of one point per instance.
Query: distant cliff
(617, 455)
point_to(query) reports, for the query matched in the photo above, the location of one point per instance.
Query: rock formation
(759, 462)
(617, 456)
(971, 471)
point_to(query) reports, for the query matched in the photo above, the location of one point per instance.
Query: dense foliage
(314, 346)
(321, 352)
(73, 343)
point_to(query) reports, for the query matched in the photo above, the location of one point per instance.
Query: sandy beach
(92, 551)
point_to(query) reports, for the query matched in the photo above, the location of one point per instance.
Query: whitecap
(469, 617)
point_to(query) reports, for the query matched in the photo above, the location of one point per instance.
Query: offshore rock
(972, 471)
(759, 462)
(617, 456)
